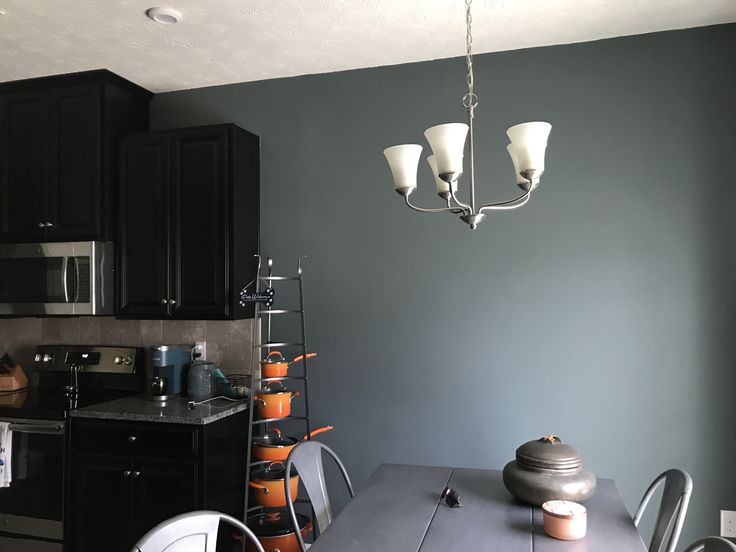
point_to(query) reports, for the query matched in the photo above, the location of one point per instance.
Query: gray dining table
(399, 510)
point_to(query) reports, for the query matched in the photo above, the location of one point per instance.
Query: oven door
(64, 278)
(31, 507)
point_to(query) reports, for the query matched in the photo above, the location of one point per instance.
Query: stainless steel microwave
(64, 278)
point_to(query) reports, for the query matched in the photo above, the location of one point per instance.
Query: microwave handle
(64, 280)
(71, 289)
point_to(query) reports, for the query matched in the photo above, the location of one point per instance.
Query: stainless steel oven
(65, 278)
(31, 507)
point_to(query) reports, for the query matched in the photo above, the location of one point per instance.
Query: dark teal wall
(604, 311)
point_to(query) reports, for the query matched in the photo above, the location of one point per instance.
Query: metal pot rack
(263, 317)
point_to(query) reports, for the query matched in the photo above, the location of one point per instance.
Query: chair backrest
(712, 544)
(678, 486)
(306, 457)
(191, 531)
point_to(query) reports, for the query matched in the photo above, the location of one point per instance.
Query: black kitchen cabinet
(127, 477)
(189, 222)
(59, 139)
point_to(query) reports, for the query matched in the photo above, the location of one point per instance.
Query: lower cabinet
(125, 478)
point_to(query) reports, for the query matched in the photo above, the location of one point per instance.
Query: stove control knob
(128, 360)
(48, 358)
(118, 359)
(38, 357)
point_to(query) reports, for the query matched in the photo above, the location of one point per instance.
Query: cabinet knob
(136, 474)
(42, 225)
(132, 439)
(49, 224)
(126, 473)
(164, 301)
(172, 301)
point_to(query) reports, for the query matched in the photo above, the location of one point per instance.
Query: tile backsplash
(228, 342)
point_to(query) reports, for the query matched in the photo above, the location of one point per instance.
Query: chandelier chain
(470, 100)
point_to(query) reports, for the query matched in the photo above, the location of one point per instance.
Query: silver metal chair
(190, 532)
(306, 457)
(678, 485)
(712, 544)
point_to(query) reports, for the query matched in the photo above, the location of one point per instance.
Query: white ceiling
(225, 41)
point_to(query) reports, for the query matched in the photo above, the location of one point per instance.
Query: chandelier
(447, 141)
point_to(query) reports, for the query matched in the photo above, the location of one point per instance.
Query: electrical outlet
(200, 347)
(728, 524)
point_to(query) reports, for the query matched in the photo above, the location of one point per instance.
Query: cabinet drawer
(139, 439)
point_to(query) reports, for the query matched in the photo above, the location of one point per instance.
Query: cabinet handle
(164, 301)
(42, 225)
(126, 473)
(49, 224)
(172, 301)
(132, 439)
(136, 474)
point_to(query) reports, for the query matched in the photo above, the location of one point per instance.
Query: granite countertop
(138, 408)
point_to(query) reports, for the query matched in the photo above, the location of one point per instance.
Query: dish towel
(6, 452)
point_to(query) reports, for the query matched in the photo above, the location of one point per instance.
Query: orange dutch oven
(276, 532)
(279, 367)
(269, 485)
(274, 402)
(276, 448)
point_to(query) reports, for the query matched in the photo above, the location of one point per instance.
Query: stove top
(69, 377)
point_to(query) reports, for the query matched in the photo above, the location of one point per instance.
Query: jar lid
(549, 453)
(274, 524)
(564, 509)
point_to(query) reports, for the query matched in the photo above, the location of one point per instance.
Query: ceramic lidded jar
(548, 469)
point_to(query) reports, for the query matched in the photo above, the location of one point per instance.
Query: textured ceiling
(225, 41)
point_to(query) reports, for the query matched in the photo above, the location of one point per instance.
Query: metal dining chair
(712, 544)
(306, 457)
(191, 531)
(678, 485)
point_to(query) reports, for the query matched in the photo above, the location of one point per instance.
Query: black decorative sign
(265, 297)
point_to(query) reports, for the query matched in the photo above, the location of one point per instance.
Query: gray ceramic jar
(548, 469)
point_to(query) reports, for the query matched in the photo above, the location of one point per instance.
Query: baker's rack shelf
(262, 345)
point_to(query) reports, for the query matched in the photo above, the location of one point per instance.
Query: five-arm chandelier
(527, 147)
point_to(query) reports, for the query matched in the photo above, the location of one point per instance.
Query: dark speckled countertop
(138, 408)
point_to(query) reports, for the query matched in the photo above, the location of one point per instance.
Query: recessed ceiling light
(165, 16)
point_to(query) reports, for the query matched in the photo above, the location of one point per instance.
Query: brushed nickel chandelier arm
(448, 209)
(515, 203)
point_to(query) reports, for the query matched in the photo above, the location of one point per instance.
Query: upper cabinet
(59, 139)
(189, 222)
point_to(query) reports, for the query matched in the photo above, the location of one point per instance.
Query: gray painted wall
(603, 311)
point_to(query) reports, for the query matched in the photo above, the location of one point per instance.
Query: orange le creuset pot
(274, 401)
(276, 447)
(277, 366)
(276, 532)
(268, 485)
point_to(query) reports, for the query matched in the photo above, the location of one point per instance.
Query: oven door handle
(37, 428)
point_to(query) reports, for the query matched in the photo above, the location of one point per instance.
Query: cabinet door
(161, 489)
(143, 234)
(23, 166)
(100, 508)
(74, 184)
(200, 224)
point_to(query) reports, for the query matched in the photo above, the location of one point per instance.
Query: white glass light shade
(442, 186)
(404, 162)
(448, 145)
(529, 141)
(520, 180)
